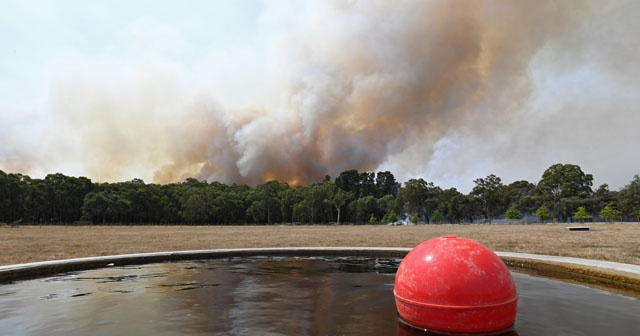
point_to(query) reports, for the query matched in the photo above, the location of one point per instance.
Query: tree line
(563, 193)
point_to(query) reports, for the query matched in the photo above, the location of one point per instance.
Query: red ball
(455, 284)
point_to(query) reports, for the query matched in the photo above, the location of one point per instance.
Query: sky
(247, 91)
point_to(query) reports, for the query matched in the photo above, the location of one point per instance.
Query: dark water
(274, 296)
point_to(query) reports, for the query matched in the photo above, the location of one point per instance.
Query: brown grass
(613, 242)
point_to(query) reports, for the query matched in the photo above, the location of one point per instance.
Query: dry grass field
(612, 242)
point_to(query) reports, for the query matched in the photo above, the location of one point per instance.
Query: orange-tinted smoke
(390, 74)
(364, 81)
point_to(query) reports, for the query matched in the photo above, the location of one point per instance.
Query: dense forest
(564, 193)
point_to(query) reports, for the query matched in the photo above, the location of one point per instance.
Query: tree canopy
(582, 214)
(610, 214)
(565, 187)
(487, 192)
(353, 197)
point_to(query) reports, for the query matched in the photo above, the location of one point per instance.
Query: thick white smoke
(445, 90)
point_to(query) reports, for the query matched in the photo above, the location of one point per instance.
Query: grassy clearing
(612, 242)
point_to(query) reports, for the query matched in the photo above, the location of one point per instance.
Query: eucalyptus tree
(169, 201)
(65, 196)
(105, 206)
(421, 197)
(388, 208)
(267, 198)
(256, 212)
(386, 184)
(349, 181)
(364, 208)
(198, 205)
(581, 214)
(437, 217)
(486, 192)
(543, 213)
(564, 181)
(454, 205)
(566, 187)
(337, 197)
(149, 202)
(522, 194)
(35, 200)
(13, 196)
(314, 206)
(368, 184)
(513, 213)
(233, 203)
(628, 198)
(602, 197)
(288, 199)
(609, 213)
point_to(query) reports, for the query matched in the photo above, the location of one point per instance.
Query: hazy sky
(246, 91)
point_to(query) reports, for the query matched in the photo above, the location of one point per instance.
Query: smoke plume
(449, 90)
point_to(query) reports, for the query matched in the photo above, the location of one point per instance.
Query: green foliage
(388, 204)
(543, 213)
(354, 197)
(391, 217)
(582, 214)
(368, 183)
(437, 217)
(421, 197)
(456, 205)
(13, 196)
(513, 213)
(602, 197)
(337, 197)
(610, 214)
(521, 194)
(373, 219)
(257, 212)
(313, 207)
(628, 199)
(487, 192)
(268, 195)
(564, 181)
(105, 206)
(564, 186)
(349, 181)
(363, 208)
(386, 184)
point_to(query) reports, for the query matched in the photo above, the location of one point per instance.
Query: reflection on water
(274, 296)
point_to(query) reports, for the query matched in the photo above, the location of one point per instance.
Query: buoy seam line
(451, 307)
(11, 272)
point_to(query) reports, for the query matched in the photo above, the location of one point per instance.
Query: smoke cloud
(444, 90)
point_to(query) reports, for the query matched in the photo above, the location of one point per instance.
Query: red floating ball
(455, 285)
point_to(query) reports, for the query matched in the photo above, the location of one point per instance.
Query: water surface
(274, 296)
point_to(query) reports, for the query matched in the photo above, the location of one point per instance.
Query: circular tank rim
(606, 274)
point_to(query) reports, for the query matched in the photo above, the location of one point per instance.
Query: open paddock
(617, 242)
